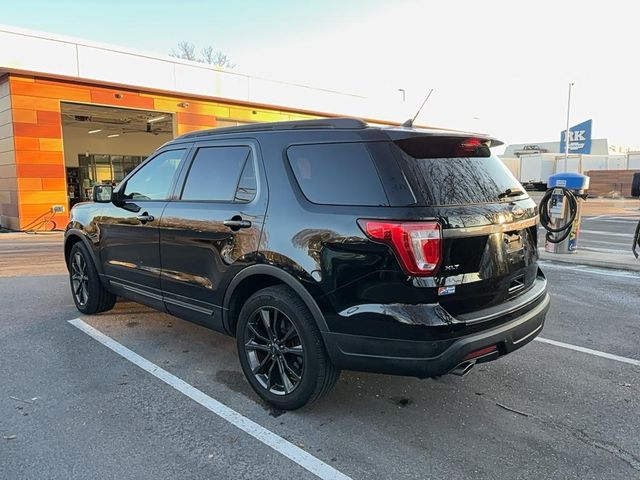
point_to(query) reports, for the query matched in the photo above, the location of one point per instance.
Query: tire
(299, 354)
(635, 185)
(87, 291)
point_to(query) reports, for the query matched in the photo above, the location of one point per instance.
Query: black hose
(636, 241)
(41, 223)
(545, 220)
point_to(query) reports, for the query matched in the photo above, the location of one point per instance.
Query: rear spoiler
(422, 143)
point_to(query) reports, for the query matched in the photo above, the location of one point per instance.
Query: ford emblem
(517, 211)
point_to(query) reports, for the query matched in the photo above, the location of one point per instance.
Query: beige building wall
(8, 181)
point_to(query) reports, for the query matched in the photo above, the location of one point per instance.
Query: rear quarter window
(337, 174)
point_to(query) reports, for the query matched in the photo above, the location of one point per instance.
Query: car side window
(247, 185)
(153, 180)
(337, 174)
(221, 174)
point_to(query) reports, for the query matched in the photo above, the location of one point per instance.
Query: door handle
(237, 223)
(145, 217)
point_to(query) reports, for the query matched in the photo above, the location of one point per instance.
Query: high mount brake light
(418, 245)
(471, 143)
(470, 146)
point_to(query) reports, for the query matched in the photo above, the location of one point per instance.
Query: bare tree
(216, 57)
(208, 55)
(185, 50)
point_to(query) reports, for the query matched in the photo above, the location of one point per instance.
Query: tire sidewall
(93, 282)
(312, 363)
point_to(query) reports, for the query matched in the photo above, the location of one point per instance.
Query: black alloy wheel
(274, 350)
(89, 295)
(79, 279)
(281, 350)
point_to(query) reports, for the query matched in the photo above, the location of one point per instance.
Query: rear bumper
(415, 357)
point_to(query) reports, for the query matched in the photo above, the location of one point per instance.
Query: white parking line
(608, 250)
(279, 444)
(611, 234)
(597, 353)
(613, 219)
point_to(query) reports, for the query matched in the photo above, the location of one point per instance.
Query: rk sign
(579, 138)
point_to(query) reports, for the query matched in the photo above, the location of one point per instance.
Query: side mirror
(102, 193)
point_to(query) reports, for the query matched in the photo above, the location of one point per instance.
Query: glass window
(247, 185)
(337, 174)
(215, 174)
(153, 180)
(459, 180)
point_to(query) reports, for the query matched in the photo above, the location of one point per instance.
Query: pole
(567, 132)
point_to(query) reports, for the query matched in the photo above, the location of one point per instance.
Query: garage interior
(103, 144)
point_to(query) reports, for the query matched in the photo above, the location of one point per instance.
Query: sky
(499, 67)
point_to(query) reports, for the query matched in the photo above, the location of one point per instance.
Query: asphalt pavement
(608, 233)
(603, 241)
(72, 408)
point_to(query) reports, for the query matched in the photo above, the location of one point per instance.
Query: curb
(632, 266)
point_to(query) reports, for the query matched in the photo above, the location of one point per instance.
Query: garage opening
(103, 144)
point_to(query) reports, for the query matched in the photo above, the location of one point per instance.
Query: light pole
(567, 135)
(404, 94)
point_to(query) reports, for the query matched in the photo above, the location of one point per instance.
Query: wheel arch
(74, 236)
(257, 277)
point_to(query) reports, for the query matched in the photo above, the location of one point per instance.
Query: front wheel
(281, 350)
(88, 293)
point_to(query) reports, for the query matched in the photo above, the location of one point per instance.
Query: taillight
(418, 245)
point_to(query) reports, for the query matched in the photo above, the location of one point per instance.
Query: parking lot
(608, 234)
(75, 402)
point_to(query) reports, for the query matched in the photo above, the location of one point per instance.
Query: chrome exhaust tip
(463, 368)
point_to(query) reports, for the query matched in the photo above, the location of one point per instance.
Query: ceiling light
(156, 119)
(113, 135)
(95, 131)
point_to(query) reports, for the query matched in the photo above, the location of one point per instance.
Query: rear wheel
(88, 293)
(281, 350)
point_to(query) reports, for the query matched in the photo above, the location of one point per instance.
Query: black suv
(322, 245)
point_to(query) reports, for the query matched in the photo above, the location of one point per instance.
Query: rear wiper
(511, 192)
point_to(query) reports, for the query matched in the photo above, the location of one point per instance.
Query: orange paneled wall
(37, 132)
(37, 135)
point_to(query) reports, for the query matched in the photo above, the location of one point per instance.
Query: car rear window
(457, 180)
(337, 174)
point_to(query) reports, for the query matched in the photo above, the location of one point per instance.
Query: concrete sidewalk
(604, 206)
(618, 261)
(607, 206)
(31, 254)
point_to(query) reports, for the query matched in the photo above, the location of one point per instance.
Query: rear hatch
(488, 222)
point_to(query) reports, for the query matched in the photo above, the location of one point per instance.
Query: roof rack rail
(338, 123)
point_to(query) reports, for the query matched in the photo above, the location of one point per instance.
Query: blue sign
(579, 138)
